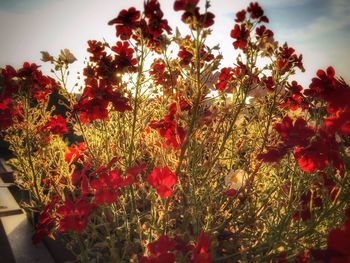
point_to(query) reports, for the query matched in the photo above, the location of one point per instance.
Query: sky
(318, 29)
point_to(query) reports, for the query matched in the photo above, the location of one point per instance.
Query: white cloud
(336, 19)
(284, 3)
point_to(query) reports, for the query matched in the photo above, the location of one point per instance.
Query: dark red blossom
(241, 34)
(106, 186)
(56, 125)
(287, 59)
(74, 215)
(163, 180)
(46, 221)
(74, 152)
(90, 110)
(97, 50)
(10, 111)
(340, 122)
(179, 106)
(192, 16)
(156, 25)
(124, 59)
(164, 76)
(226, 75)
(173, 133)
(338, 245)
(185, 56)
(206, 20)
(273, 154)
(321, 151)
(256, 12)
(186, 5)
(161, 251)
(240, 16)
(335, 92)
(157, 72)
(136, 169)
(28, 80)
(268, 82)
(80, 177)
(295, 98)
(231, 192)
(297, 134)
(201, 253)
(94, 102)
(126, 22)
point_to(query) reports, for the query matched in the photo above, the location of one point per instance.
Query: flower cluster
(28, 81)
(191, 14)
(168, 128)
(163, 250)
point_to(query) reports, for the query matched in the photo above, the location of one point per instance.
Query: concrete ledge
(8, 204)
(19, 234)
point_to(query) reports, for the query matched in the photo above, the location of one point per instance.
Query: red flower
(256, 12)
(74, 215)
(287, 59)
(180, 106)
(136, 169)
(192, 16)
(9, 112)
(206, 20)
(335, 92)
(339, 122)
(95, 99)
(162, 179)
(339, 240)
(338, 245)
(74, 152)
(90, 110)
(230, 192)
(46, 221)
(225, 77)
(119, 102)
(273, 154)
(268, 82)
(264, 34)
(160, 251)
(240, 16)
(56, 125)
(126, 22)
(186, 5)
(241, 34)
(201, 251)
(39, 85)
(157, 72)
(107, 184)
(155, 22)
(295, 98)
(298, 134)
(174, 134)
(320, 152)
(124, 58)
(161, 76)
(185, 56)
(97, 49)
(80, 173)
